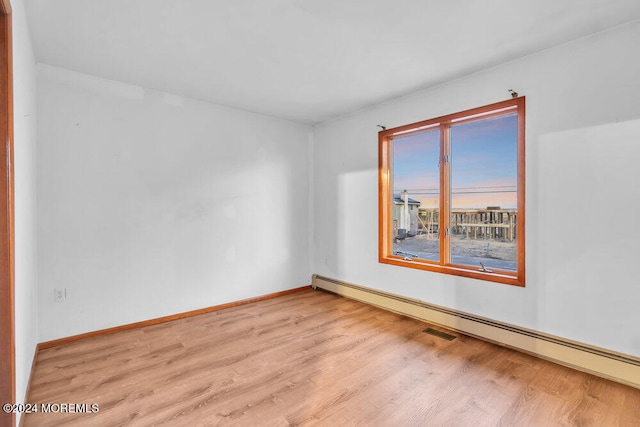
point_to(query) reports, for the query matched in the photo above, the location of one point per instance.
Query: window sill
(494, 276)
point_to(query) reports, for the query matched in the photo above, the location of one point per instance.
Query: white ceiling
(304, 60)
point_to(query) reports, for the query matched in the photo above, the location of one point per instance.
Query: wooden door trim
(7, 339)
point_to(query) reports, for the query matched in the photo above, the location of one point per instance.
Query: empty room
(306, 212)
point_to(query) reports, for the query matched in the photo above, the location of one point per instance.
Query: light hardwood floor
(313, 358)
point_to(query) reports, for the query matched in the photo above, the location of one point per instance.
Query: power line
(414, 190)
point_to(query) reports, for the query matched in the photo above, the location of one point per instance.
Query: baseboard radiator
(598, 361)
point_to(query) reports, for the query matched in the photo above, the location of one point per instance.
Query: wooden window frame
(444, 265)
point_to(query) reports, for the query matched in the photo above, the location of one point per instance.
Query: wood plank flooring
(313, 358)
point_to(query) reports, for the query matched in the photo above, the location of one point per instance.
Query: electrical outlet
(59, 295)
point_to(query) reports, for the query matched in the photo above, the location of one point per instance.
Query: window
(452, 194)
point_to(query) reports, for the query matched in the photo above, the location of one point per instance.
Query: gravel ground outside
(492, 253)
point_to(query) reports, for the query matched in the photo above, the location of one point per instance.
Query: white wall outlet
(59, 295)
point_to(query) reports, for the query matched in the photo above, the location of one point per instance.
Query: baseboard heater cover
(597, 361)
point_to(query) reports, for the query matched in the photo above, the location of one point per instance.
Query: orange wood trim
(384, 195)
(498, 277)
(5, 7)
(7, 332)
(413, 127)
(381, 193)
(445, 196)
(521, 189)
(53, 343)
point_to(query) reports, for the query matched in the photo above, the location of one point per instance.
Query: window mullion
(445, 195)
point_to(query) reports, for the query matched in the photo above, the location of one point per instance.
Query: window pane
(484, 177)
(416, 195)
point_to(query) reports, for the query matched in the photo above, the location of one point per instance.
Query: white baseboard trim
(604, 363)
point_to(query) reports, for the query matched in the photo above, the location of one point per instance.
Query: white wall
(583, 106)
(151, 204)
(24, 87)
